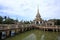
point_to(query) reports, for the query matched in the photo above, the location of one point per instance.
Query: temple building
(38, 19)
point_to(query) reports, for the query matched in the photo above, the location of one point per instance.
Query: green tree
(57, 22)
(9, 21)
(1, 19)
(26, 22)
(5, 17)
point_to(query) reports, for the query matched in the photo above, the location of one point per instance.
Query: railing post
(56, 28)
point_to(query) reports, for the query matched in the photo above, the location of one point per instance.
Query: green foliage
(7, 20)
(26, 22)
(1, 19)
(5, 17)
(57, 22)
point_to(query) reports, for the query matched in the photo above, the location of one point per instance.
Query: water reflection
(42, 37)
(36, 35)
(58, 37)
(3, 35)
(12, 33)
(30, 37)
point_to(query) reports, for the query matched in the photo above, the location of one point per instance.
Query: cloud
(28, 8)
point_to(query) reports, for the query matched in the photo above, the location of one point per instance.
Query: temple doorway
(37, 22)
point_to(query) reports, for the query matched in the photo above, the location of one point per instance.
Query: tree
(26, 22)
(9, 21)
(1, 19)
(5, 17)
(57, 22)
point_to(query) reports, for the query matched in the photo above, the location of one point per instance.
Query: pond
(36, 35)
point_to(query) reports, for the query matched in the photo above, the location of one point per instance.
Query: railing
(14, 26)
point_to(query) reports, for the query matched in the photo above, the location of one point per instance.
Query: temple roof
(38, 14)
(38, 17)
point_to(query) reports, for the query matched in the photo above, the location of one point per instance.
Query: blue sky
(27, 9)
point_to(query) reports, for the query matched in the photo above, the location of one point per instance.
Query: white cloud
(28, 8)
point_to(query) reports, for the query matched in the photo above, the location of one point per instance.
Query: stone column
(46, 24)
(52, 23)
(39, 22)
(7, 33)
(35, 22)
(56, 28)
(42, 22)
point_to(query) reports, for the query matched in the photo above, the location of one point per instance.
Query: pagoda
(38, 19)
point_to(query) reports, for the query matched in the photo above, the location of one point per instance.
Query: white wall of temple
(39, 22)
(35, 22)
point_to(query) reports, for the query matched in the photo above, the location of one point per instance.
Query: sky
(27, 9)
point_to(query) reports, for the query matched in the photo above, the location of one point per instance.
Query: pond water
(36, 35)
